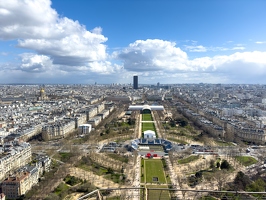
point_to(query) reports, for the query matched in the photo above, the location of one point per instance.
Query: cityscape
(137, 100)
(70, 140)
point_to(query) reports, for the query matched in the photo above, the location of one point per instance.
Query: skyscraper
(135, 82)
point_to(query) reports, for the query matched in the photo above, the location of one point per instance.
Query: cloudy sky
(104, 41)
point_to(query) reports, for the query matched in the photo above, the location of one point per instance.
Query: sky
(110, 41)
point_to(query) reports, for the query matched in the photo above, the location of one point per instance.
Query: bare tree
(220, 177)
(171, 157)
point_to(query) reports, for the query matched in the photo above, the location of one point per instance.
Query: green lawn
(146, 117)
(154, 168)
(72, 180)
(60, 188)
(64, 156)
(246, 160)
(148, 126)
(221, 143)
(158, 194)
(188, 159)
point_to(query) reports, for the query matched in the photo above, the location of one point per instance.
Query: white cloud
(260, 42)
(35, 63)
(62, 49)
(26, 19)
(152, 55)
(38, 27)
(238, 48)
(155, 58)
(245, 63)
(198, 48)
(36, 68)
(105, 67)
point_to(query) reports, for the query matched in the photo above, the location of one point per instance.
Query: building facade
(135, 82)
(14, 156)
(58, 130)
(84, 129)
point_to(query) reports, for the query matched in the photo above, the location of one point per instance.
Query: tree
(221, 178)
(172, 123)
(171, 157)
(241, 181)
(225, 165)
(212, 164)
(110, 170)
(218, 165)
(198, 174)
(183, 122)
(257, 186)
(131, 121)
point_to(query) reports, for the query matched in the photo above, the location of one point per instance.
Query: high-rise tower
(135, 82)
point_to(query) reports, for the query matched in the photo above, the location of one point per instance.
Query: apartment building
(58, 130)
(91, 113)
(14, 155)
(15, 186)
(119, 98)
(100, 107)
(25, 177)
(84, 129)
(80, 119)
(104, 114)
(95, 121)
(30, 132)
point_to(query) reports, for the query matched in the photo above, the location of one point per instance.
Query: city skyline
(59, 42)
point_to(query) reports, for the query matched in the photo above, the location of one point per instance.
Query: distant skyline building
(135, 82)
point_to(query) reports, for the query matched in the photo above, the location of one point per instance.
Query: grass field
(153, 168)
(148, 126)
(158, 194)
(188, 159)
(61, 188)
(146, 117)
(246, 160)
(221, 143)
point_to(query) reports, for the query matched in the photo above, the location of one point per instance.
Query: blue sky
(103, 41)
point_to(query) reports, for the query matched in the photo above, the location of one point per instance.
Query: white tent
(149, 134)
(141, 107)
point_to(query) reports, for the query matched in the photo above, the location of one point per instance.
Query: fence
(142, 193)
